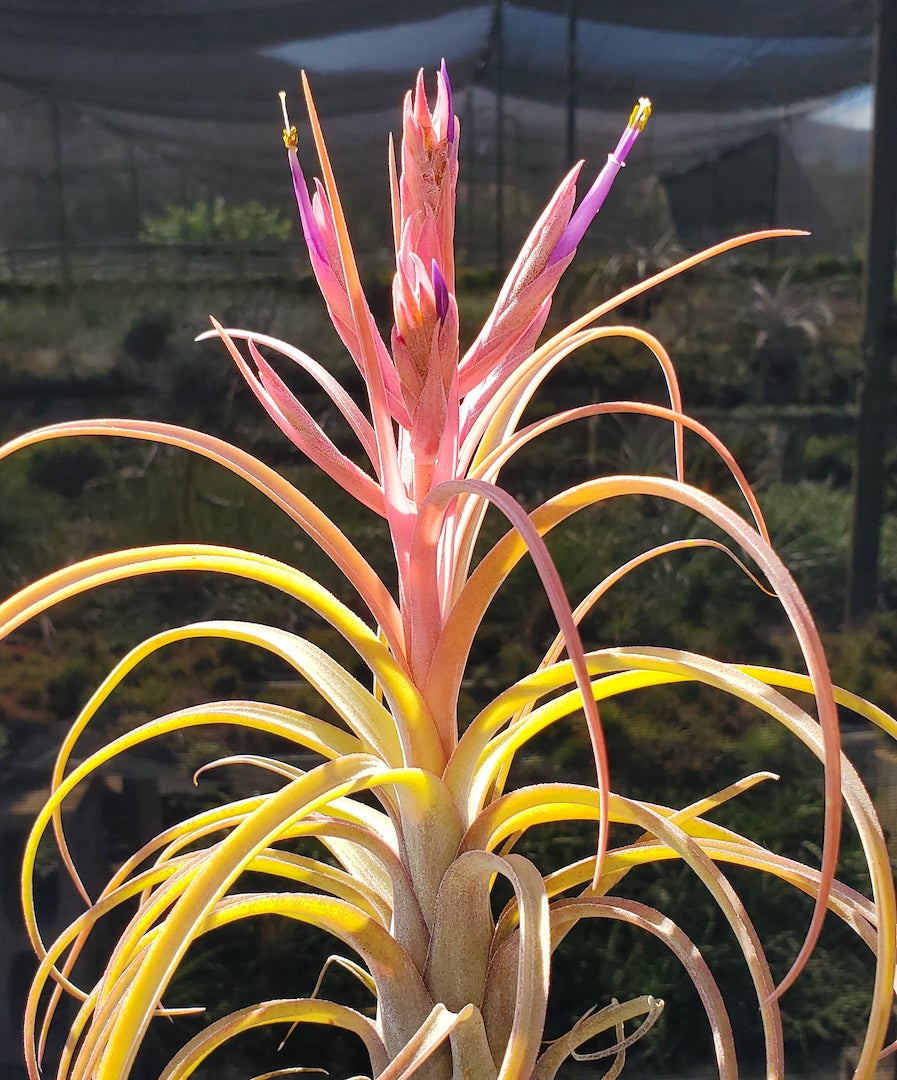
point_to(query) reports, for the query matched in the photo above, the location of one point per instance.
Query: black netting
(109, 111)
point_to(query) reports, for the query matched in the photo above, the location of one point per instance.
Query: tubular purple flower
(597, 193)
(440, 291)
(450, 114)
(310, 229)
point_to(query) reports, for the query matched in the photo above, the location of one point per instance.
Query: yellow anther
(639, 115)
(290, 135)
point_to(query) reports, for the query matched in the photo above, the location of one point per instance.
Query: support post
(879, 342)
(470, 161)
(134, 184)
(62, 225)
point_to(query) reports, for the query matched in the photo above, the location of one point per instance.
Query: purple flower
(597, 193)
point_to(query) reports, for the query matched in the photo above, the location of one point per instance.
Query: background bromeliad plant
(419, 818)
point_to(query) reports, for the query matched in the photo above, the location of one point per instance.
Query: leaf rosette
(417, 818)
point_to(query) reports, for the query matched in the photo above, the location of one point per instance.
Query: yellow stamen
(639, 115)
(290, 135)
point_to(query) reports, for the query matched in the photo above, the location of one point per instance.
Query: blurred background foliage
(215, 221)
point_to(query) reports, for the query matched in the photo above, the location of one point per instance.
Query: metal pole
(498, 38)
(134, 179)
(571, 82)
(470, 158)
(879, 324)
(59, 183)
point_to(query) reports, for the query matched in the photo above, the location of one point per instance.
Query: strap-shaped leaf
(516, 992)
(117, 1043)
(546, 803)
(283, 494)
(592, 1024)
(410, 715)
(514, 387)
(456, 639)
(266, 1013)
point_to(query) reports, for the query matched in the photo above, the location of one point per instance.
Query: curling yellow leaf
(267, 480)
(420, 743)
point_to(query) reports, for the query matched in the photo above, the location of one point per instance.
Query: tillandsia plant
(418, 815)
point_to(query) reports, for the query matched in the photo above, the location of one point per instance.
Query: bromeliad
(408, 886)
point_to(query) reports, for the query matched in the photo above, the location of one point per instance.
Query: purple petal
(314, 241)
(569, 239)
(450, 124)
(440, 291)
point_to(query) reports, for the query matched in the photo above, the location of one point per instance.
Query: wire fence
(76, 190)
(137, 261)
